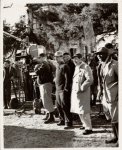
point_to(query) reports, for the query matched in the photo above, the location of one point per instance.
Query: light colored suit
(80, 96)
(110, 87)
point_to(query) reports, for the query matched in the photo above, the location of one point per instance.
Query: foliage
(9, 43)
(105, 18)
(64, 22)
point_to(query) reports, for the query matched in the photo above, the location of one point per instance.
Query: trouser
(113, 109)
(93, 94)
(63, 106)
(86, 120)
(36, 93)
(105, 108)
(7, 93)
(110, 109)
(45, 92)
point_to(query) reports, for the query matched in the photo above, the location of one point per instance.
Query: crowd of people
(79, 84)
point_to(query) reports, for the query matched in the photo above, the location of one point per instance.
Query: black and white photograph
(60, 65)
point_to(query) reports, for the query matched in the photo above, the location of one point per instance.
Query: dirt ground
(29, 131)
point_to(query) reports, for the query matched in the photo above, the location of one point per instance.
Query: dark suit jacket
(71, 66)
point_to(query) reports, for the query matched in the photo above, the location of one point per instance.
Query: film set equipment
(27, 64)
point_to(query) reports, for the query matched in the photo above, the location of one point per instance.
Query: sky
(12, 14)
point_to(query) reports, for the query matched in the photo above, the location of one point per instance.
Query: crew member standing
(80, 97)
(108, 87)
(67, 59)
(62, 82)
(44, 80)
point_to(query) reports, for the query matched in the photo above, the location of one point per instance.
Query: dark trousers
(7, 93)
(63, 106)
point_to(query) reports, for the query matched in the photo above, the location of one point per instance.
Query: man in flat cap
(62, 82)
(108, 88)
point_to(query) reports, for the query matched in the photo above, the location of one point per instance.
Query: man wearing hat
(113, 54)
(44, 81)
(80, 96)
(8, 76)
(62, 82)
(108, 87)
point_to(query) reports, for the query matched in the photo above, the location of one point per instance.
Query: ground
(29, 131)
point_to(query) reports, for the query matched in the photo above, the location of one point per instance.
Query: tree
(64, 22)
(9, 43)
(104, 17)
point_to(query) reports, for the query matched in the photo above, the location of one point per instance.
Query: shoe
(68, 127)
(115, 132)
(112, 140)
(61, 123)
(87, 132)
(81, 128)
(50, 118)
(46, 117)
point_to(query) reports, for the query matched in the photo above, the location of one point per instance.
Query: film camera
(26, 64)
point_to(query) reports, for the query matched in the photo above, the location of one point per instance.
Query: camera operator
(44, 80)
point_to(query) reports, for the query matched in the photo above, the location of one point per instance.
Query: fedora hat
(102, 50)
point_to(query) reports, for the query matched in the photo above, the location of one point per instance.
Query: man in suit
(62, 81)
(8, 76)
(108, 87)
(67, 59)
(80, 96)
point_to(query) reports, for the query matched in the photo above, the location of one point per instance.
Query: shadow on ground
(27, 138)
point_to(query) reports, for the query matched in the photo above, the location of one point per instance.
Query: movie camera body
(28, 56)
